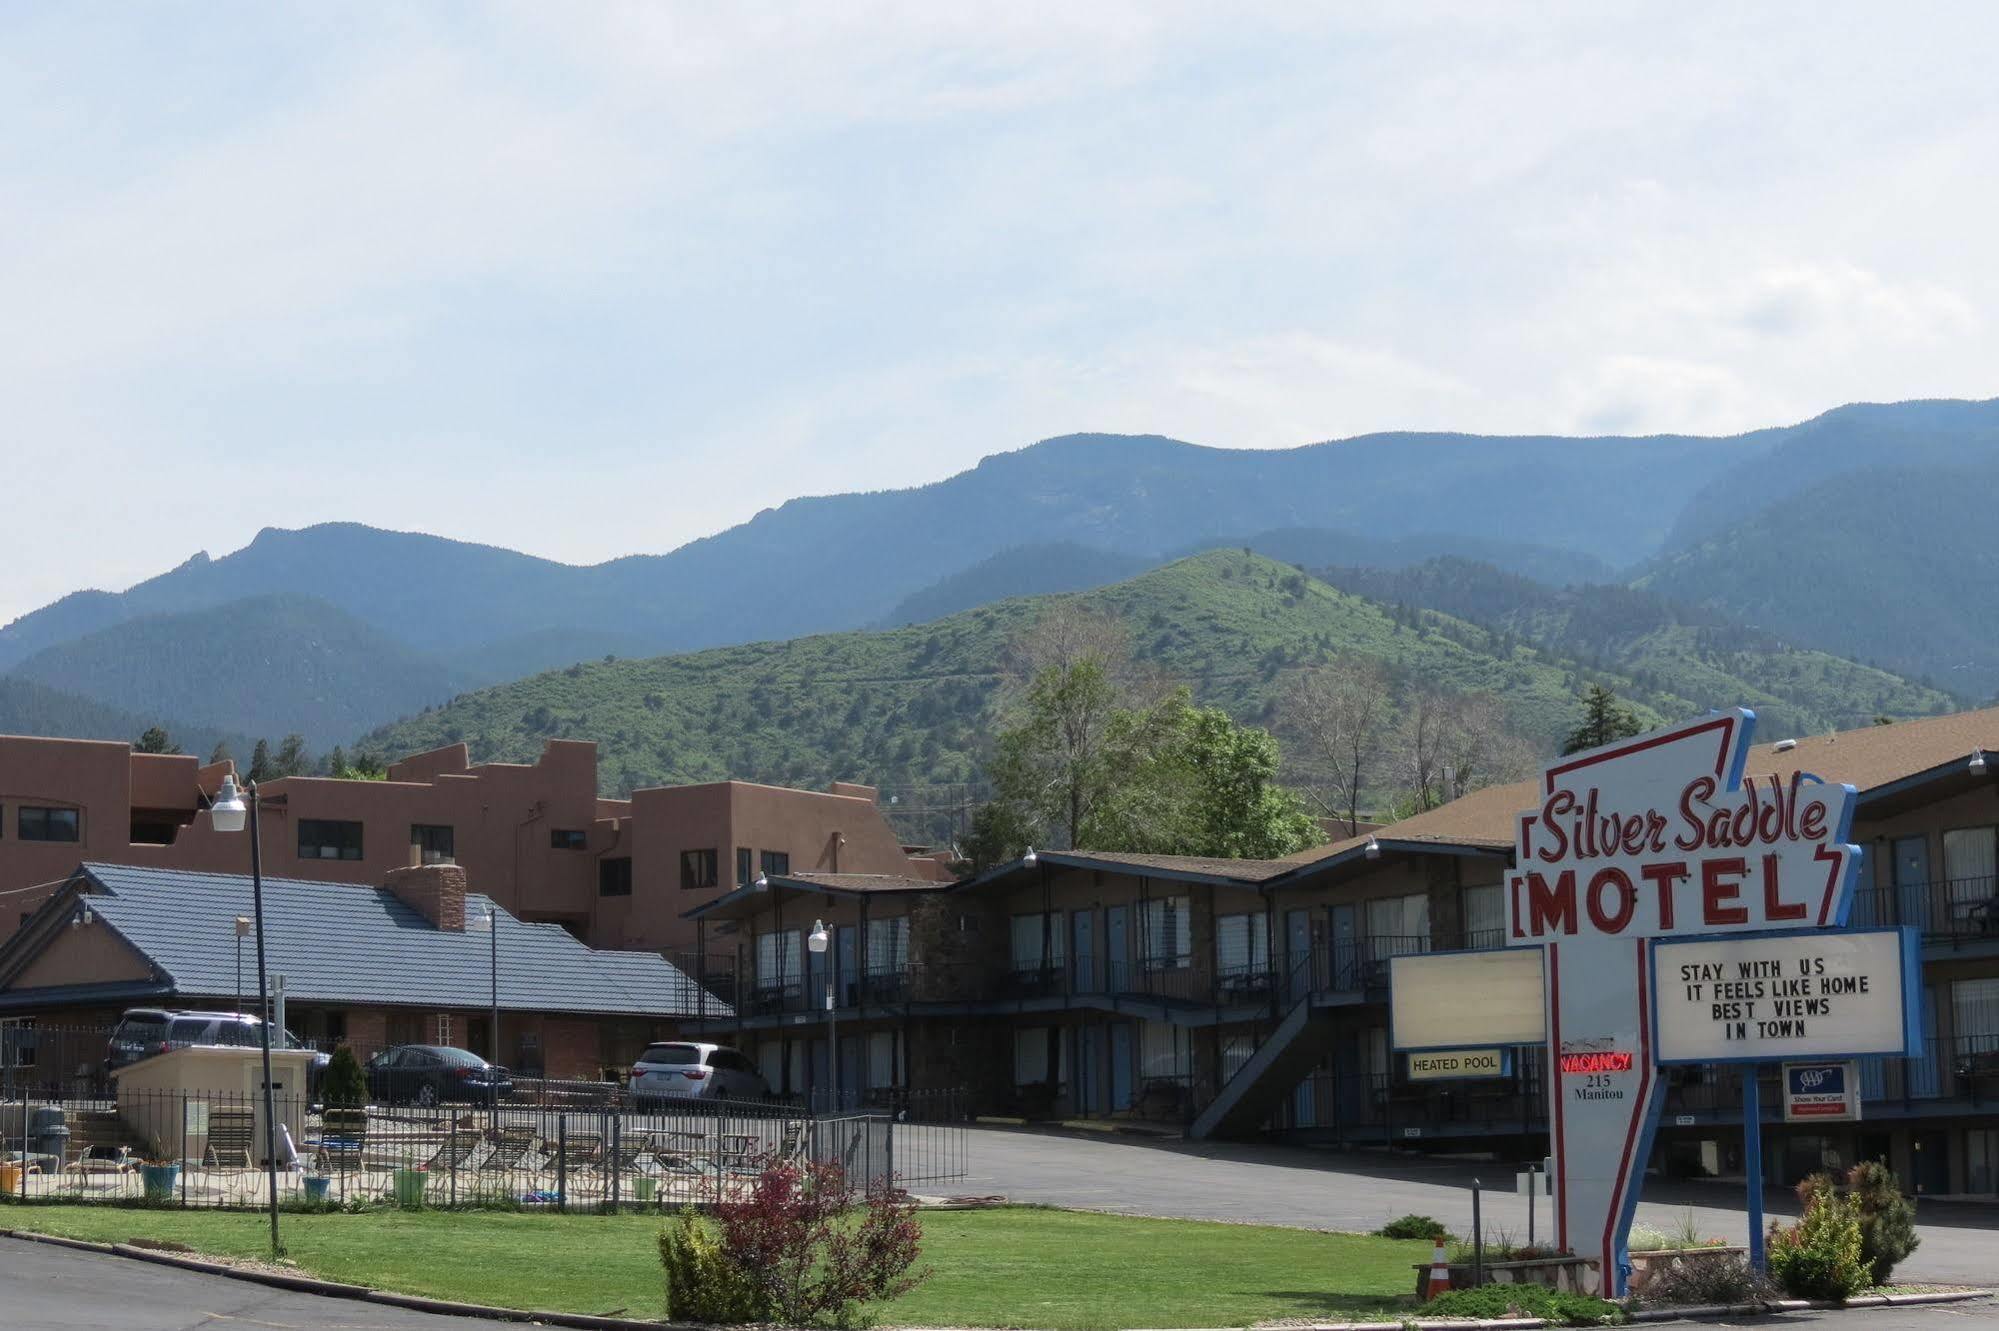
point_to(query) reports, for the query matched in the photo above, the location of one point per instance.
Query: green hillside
(912, 707)
(1661, 645)
(28, 708)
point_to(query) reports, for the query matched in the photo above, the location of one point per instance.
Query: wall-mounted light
(1029, 860)
(762, 884)
(1372, 850)
(1977, 767)
(83, 917)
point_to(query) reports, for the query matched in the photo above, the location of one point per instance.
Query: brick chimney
(434, 891)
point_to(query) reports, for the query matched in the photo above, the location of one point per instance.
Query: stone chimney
(434, 891)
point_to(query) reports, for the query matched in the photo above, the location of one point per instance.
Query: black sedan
(428, 1074)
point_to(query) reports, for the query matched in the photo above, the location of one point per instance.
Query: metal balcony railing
(1950, 911)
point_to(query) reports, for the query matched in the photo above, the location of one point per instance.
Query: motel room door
(1089, 1069)
(1117, 948)
(1083, 949)
(847, 977)
(1298, 953)
(1121, 1063)
(1345, 951)
(1912, 880)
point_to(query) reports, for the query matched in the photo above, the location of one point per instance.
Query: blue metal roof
(342, 943)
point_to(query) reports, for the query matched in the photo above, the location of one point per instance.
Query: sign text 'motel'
(1665, 837)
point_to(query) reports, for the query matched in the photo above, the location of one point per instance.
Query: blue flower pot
(316, 1186)
(160, 1181)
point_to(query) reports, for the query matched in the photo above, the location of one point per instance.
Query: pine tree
(260, 762)
(221, 753)
(1604, 721)
(155, 740)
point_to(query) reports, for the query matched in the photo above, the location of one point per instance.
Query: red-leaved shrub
(805, 1249)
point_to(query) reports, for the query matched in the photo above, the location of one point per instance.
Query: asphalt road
(1280, 1185)
(45, 1288)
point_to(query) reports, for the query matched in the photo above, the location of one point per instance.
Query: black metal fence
(201, 1149)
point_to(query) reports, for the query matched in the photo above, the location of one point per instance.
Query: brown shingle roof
(1248, 871)
(860, 882)
(1865, 758)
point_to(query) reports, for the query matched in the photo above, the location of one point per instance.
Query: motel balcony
(1954, 914)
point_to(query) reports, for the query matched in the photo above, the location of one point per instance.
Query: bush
(702, 1285)
(795, 1251)
(1725, 1277)
(1490, 1301)
(344, 1085)
(1887, 1220)
(1819, 1257)
(1413, 1227)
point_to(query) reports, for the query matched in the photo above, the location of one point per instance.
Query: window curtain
(1163, 921)
(888, 946)
(1970, 856)
(1398, 925)
(1485, 916)
(1242, 944)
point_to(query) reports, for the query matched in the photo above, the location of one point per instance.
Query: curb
(358, 1293)
(1701, 1312)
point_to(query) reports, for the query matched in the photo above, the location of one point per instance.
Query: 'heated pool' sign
(1660, 836)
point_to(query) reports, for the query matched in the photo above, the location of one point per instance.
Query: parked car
(680, 1071)
(146, 1031)
(428, 1074)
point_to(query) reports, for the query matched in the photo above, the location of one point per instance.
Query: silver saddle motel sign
(1663, 837)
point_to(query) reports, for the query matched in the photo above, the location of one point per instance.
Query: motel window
(743, 875)
(614, 877)
(1164, 932)
(888, 946)
(698, 869)
(1029, 933)
(776, 862)
(433, 843)
(777, 958)
(568, 838)
(1398, 925)
(39, 824)
(1030, 1054)
(886, 1061)
(1485, 916)
(328, 839)
(1165, 1050)
(1974, 1020)
(1969, 855)
(1242, 945)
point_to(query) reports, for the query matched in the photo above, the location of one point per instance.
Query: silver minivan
(676, 1070)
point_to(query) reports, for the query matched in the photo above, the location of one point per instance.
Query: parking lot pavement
(1281, 1185)
(46, 1288)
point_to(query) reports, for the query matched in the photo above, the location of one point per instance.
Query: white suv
(677, 1071)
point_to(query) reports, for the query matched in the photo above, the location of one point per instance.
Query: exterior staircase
(1301, 1039)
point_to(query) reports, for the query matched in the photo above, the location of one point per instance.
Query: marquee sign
(1680, 909)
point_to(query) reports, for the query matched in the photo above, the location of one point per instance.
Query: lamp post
(493, 1015)
(229, 813)
(817, 941)
(242, 932)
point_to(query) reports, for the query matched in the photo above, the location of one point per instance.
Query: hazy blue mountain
(1560, 510)
(265, 665)
(28, 708)
(1890, 566)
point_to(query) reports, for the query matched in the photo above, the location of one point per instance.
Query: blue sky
(594, 279)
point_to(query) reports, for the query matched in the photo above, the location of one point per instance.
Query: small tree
(1887, 1220)
(156, 740)
(1604, 721)
(345, 1086)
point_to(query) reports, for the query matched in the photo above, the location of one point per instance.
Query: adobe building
(417, 960)
(535, 837)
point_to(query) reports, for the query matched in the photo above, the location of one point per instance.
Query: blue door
(1083, 950)
(1912, 880)
(1926, 1069)
(1121, 1067)
(1298, 952)
(853, 1069)
(846, 977)
(1117, 946)
(1302, 1104)
(1346, 950)
(1088, 1074)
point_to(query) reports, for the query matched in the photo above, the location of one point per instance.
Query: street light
(817, 941)
(242, 932)
(493, 1016)
(229, 813)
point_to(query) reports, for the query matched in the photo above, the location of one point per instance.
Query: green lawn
(1008, 1267)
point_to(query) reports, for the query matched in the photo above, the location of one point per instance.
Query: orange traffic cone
(1440, 1271)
